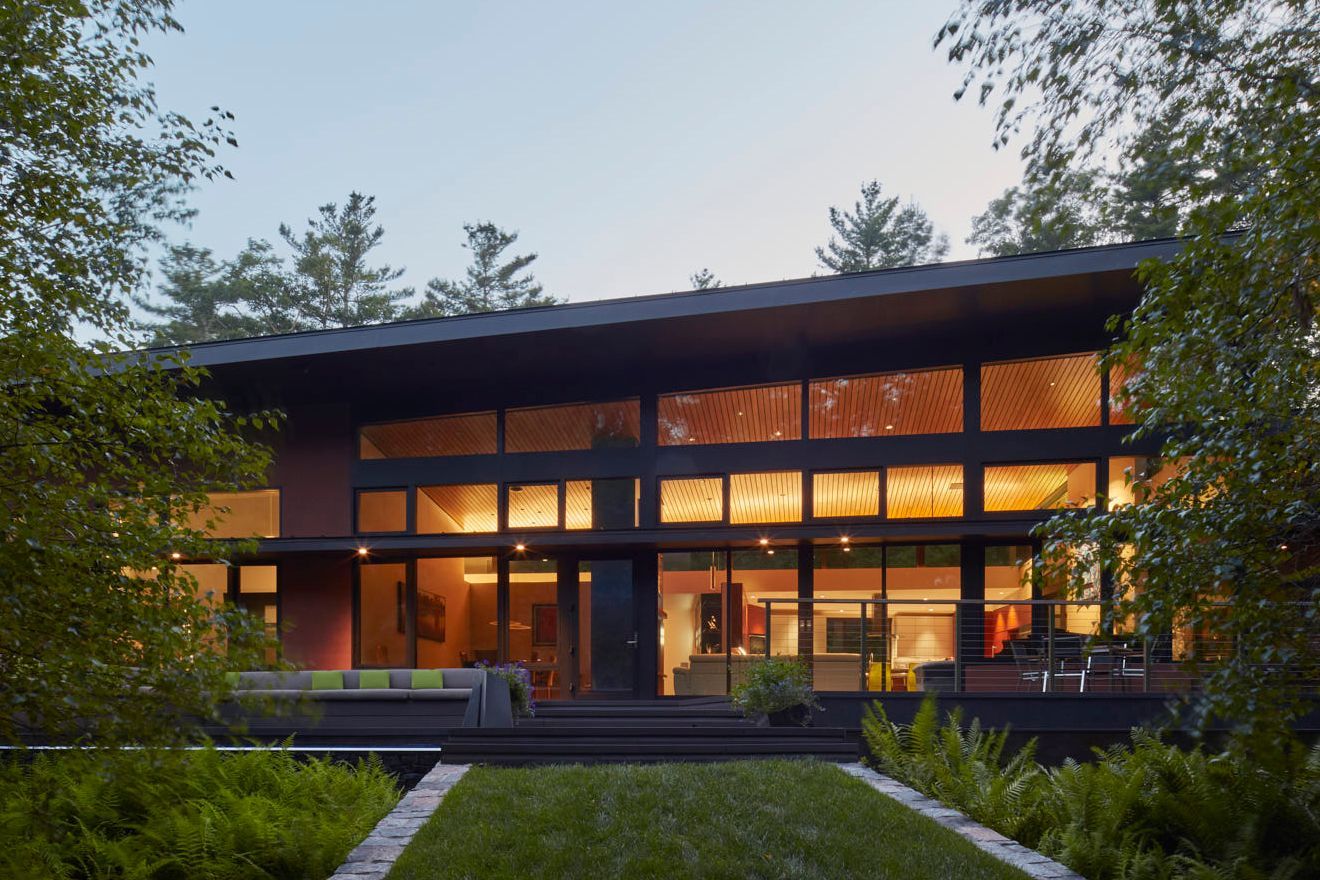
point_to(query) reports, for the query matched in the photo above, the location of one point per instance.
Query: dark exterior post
(806, 561)
(970, 616)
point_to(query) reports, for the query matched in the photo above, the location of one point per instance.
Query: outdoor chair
(1134, 665)
(1068, 661)
(1030, 665)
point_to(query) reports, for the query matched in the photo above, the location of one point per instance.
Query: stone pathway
(376, 854)
(1007, 850)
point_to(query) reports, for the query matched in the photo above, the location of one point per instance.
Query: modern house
(637, 497)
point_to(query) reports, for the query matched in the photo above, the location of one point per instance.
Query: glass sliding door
(536, 638)
(607, 629)
(384, 625)
(693, 652)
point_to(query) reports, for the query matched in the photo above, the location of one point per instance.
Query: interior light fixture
(847, 549)
(520, 546)
(362, 551)
(889, 427)
(844, 539)
(178, 555)
(765, 542)
(779, 433)
(770, 552)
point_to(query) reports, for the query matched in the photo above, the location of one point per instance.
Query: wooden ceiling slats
(913, 492)
(733, 415)
(577, 504)
(774, 497)
(855, 493)
(572, 427)
(1032, 486)
(467, 434)
(473, 506)
(887, 404)
(534, 506)
(1060, 392)
(695, 499)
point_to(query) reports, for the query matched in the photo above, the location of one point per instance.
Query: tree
(251, 295)
(1224, 341)
(881, 234)
(493, 282)
(704, 279)
(335, 287)
(1041, 216)
(103, 455)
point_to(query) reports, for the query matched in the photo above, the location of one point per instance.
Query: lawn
(752, 819)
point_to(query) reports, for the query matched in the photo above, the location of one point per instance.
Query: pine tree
(198, 304)
(335, 287)
(492, 283)
(880, 234)
(1050, 215)
(704, 279)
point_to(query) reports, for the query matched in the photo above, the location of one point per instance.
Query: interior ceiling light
(362, 551)
(889, 427)
(765, 541)
(520, 546)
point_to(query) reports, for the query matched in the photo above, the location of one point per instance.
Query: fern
(204, 814)
(1148, 811)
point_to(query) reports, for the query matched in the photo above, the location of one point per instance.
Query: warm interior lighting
(176, 555)
(765, 541)
(362, 551)
(844, 539)
(847, 549)
(520, 547)
(770, 552)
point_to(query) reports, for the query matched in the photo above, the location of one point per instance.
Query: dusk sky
(629, 144)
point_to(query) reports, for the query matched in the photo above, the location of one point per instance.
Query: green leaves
(101, 454)
(881, 233)
(1206, 115)
(493, 282)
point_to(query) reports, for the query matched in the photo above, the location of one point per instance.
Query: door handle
(632, 643)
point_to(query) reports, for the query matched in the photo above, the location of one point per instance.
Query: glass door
(606, 649)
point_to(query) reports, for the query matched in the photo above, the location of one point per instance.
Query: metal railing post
(1048, 683)
(957, 648)
(1145, 664)
(862, 647)
(768, 618)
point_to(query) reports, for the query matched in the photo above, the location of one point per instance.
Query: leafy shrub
(520, 686)
(195, 814)
(1148, 811)
(772, 685)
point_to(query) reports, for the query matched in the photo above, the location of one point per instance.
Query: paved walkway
(1009, 851)
(376, 854)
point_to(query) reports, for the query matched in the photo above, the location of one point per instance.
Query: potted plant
(777, 691)
(520, 686)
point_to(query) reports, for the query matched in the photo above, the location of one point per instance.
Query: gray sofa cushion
(463, 678)
(360, 694)
(446, 693)
(265, 681)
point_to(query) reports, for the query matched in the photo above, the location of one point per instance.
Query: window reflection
(887, 404)
(734, 415)
(1057, 392)
(1039, 486)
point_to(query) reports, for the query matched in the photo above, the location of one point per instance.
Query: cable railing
(1025, 646)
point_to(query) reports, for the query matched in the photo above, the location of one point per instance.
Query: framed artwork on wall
(545, 624)
(430, 616)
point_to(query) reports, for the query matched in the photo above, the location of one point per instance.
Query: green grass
(752, 819)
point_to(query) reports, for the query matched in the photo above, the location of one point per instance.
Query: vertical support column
(648, 503)
(806, 590)
(970, 620)
(973, 469)
(502, 607)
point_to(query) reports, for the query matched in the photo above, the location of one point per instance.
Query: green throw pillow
(427, 678)
(374, 678)
(327, 681)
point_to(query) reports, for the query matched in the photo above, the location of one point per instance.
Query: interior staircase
(649, 731)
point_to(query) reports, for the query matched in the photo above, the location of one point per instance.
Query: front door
(606, 649)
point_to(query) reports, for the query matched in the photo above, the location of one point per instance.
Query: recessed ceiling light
(889, 427)
(520, 547)
(765, 541)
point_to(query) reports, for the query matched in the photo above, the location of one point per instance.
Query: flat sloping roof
(950, 278)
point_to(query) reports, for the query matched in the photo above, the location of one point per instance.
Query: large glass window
(887, 404)
(1134, 478)
(733, 415)
(383, 631)
(601, 504)
(774, 497)
(460, 508)
(1057, 392)
(456, 612)
(258, 594)
(926, 491)
(691, 623)
(1008, 627)
(534, 506)
(382, 510)
(212, 581)
(573, 426)
(849, 637)
(845, 494)
(692, 500)
(1039, 486)
(534, 624)
(466, 434)
(1118, 377)
(927, 578)
(253, 514)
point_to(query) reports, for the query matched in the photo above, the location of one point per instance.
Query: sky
(629, 144)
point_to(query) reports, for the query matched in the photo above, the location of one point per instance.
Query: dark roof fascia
(805, 291)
